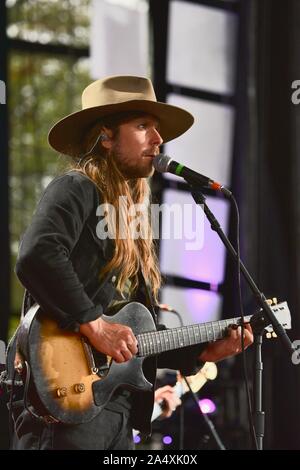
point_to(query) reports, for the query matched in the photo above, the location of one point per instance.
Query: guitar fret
(180, 341)
(207, 332)
(203, 332)
(148, 344)
(145, 345)
(213, 330)
(185, 333)
(186, 336)
(197, 333)
(189, 336)
(140, 345)
(192, 330)
(173, 338)
(166, 340)
(158, 344)
(220, 329)
(154, 343)
(178, 337)
(170, 337)
(181, 338)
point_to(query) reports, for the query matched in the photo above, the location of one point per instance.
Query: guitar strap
(149, 299)
(12, 346)
(24, 303)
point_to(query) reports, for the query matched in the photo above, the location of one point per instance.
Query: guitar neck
(156, 342)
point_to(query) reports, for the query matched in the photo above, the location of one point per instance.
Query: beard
(132, 168)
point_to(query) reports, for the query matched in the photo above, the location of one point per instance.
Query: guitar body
(69, 388)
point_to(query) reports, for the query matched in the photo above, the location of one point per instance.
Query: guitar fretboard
(156, 342)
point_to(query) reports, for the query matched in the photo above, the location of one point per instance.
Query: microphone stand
(259, 417)
(260, 297)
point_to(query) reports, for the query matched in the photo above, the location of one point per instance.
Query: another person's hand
(170, 400)
(229, 346)
(113, 339)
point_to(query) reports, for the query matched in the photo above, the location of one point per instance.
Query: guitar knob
(61, 392)
(275, 301)
(269, 335)
(79, 388)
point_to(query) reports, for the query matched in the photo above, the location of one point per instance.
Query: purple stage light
(207, 406)
(167, 440)
(137, 439)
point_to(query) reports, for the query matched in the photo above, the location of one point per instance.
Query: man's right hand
(112, 339)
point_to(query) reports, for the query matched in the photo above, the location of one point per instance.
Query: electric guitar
(73, 381)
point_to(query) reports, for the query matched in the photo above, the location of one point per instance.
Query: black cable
(168, 308)
(83, 155)
(10, 415)
(206, 419)
(245, 372)
(181, 428)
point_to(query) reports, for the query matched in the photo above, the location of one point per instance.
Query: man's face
(136, 145)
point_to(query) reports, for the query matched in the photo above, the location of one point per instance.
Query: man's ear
(106, 138)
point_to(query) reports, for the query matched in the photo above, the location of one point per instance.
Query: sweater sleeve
(44, 266)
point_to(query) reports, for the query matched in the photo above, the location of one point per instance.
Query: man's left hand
(229, 346)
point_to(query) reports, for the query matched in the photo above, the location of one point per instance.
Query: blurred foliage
(42, 89)
(50, 21)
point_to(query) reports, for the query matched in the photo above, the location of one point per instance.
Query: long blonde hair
(130, 255)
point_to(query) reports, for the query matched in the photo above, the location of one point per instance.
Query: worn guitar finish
(73, 381)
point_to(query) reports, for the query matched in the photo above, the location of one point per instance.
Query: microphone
(164, 164)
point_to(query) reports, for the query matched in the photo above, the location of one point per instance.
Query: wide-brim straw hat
(113, 95)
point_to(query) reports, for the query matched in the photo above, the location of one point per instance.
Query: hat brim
(67, 134)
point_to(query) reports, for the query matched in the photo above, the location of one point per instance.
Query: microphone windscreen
(161, 163)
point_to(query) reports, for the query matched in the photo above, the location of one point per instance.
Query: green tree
(42, 89)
